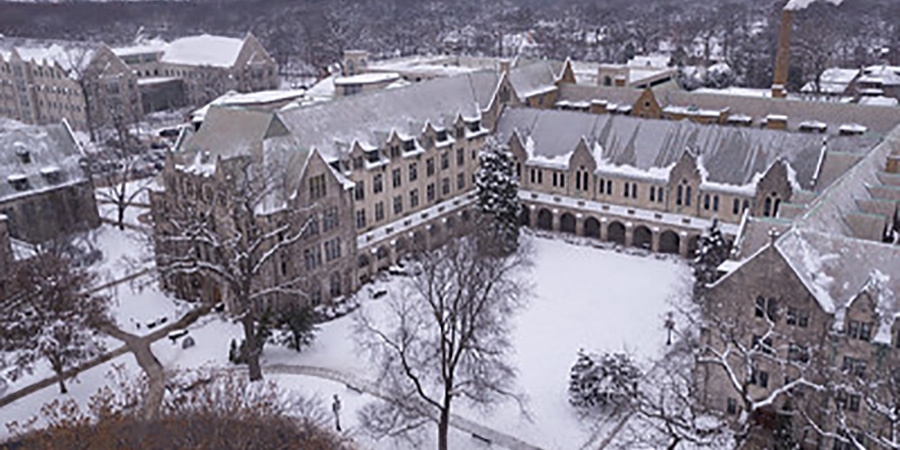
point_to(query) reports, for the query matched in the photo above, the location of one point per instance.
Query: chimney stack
(782, 58)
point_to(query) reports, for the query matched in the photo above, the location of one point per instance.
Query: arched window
(687, 196)
(678, 195)
(602, 185)
(652, 194)
(775, 207)
(767, 207)
(735, 206)
(746, 205)
(706, 202)
(634, 192)
(716, 203)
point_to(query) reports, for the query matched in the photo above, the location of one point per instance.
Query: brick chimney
(783, 57)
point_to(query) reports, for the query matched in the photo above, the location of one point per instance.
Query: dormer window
(409, 145)
(357, 162)
(460, 132)
(395, 151)
(474, 126)
(51, 174)
(24, 155)
(19, 182)
(442, 136)
(373, 156)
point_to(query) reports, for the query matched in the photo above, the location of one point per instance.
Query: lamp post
(670, 325)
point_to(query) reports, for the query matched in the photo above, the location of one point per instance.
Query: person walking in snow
(336, 407)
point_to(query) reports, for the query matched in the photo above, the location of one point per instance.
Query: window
(634, 191)
(679, 195)
(379, 211)
(409, 145)
(735, 206)
(706, 202)
(609, 187)
(798, 354)
(798, 317)
(334, 284)
(533, 173)
(398, 205)
(540, 176)
(766, 308)
(854, 366)
(315, 294)
(859, 330)
(317, 187)
(562, 180)
(330, 219)
(359, 192)
(850, 402)
(445, 161)
(763, 345)
(759, 378)
(460, 181)
(731, 408)
(312, 227)
(429, 192)
(332, 249)
(602, 185)
(652, 194)
(396, 180)
(460, 157)
(413, 172)
(357, 163)
(312, 257)
(445, 186)
(625, 194)
(429, 167)
(395, 151)
(377, 183)
(414, 198)
(716, 203)
(687, 196)
(360, 218)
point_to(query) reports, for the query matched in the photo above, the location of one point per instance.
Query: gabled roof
(534, 78)
(51, 149)
(203, 50)
(730, 155)
(71, 56)
(331, 127)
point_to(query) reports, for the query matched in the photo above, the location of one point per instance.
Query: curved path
(495, 437)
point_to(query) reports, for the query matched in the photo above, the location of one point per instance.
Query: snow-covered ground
(585, 297)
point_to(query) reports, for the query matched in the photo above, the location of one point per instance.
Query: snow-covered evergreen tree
(498, 193)
(712, 251)
(603, 382)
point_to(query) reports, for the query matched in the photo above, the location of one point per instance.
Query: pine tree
(603, 382)
(297, 326)
(498, 193)
(582, 381)
(712, 251)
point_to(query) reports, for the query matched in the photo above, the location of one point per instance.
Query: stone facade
(6, 255)
(86, 84)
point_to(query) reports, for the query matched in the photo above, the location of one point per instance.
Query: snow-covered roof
(52, 154)
(834, 80)
(730, 155)
(654, 61)
(203, 50)
(69, 55)
(367, 78)
(878, 100)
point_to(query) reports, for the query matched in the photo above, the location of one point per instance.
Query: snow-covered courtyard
(584, 298)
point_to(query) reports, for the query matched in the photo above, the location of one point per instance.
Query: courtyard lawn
(585, 297)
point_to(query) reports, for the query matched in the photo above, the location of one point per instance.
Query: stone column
(555, 213)
(604, 229)
(683, 243)
(654, 239)
(579, 224)
(531, 218)
(629, 234)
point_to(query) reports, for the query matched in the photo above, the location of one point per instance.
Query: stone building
(44, 191)
(815, 293)
(205, 66)
(6, 255)
(45, 81)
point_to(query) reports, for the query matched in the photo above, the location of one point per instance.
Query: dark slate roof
(731, 155)
(50, 147)
(331, 127)
(879, 119)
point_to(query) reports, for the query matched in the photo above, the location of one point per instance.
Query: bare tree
(50, 313)
(446, 335)
(122, 176)
(240, 235)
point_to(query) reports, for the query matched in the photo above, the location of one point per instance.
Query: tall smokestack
(783, 57)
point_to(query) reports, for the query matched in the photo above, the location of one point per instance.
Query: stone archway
(525, 216)
(616, 233)
(669, 242)
(363, 261)
(592, 228)
(642, 237)
(545, 220)
(567, 223)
